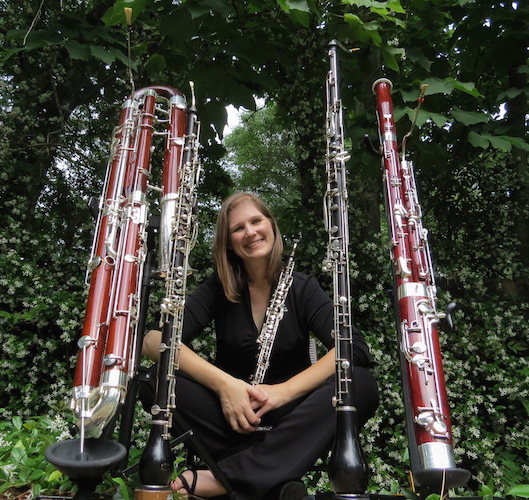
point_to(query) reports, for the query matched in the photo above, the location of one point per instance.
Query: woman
(222, 406)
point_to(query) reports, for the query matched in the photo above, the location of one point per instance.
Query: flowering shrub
(485, 359)
(22, 445)
(43, 287)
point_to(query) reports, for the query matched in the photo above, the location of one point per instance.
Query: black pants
(302, 431)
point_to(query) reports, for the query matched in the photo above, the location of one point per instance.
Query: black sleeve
(320, 316)
(200, 308)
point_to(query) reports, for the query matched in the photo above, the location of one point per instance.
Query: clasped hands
(244, 404)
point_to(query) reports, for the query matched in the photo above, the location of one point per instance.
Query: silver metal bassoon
(110, 339)
(427, 411)
(348, 470)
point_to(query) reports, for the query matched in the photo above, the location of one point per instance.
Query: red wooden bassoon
(427, 410)
(108, 344)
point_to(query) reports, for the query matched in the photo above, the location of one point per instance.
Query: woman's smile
(251, 233)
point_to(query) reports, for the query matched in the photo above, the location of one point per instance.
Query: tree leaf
(400, 111)
(409, 95)
(77, 50)
(469, 117)
(390, 61)
(395, 6)
(467, 87)
(439, 119)
(55, 476)
(517, 142)
(477, 140)
(438, 86)
(300, 17)
(116, 14)
(102, 53)
(509, 94)
(17, 422)
(156, 63)
(353, 19)
(499, 143)
(421, 118)
(199, 9)
(416, 55)
(300, 5)
(521, 490)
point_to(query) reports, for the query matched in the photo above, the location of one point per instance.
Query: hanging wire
(128, 17)
(35, 19)
(420, 100)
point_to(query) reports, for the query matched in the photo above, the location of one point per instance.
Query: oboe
(427, 411)
(274, 313)
(348, 470)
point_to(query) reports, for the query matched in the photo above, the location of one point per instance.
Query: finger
(256, 405)
(244, 427)
(252, 418)
(262, 411)
(234, 424)
(257, 393)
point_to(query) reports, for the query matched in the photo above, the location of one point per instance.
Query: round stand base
(435, 480)
(99, 456)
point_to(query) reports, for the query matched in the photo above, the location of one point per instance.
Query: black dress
(302, 430)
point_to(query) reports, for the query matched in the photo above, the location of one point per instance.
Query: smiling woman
(231, 268)
(225, 410)
(251, 236)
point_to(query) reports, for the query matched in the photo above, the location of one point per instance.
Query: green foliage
(24, 470)
(522, 490)
(43, 285)
(22, 446)
(265, 155)
(65, 73)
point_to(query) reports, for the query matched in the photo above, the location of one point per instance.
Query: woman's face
(251, 235)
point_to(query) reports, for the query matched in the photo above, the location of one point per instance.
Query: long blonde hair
(230, 268)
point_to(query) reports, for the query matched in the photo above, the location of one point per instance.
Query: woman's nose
(250, 230)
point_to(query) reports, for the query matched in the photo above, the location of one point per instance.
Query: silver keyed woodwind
(178, 237)
(348, 470)
(108, 346)
(427, 411)
(274, 314)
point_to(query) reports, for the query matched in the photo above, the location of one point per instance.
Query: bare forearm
(297, 386)
(151, 345)
(202, 370)
(190, 362)
(307, 380)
